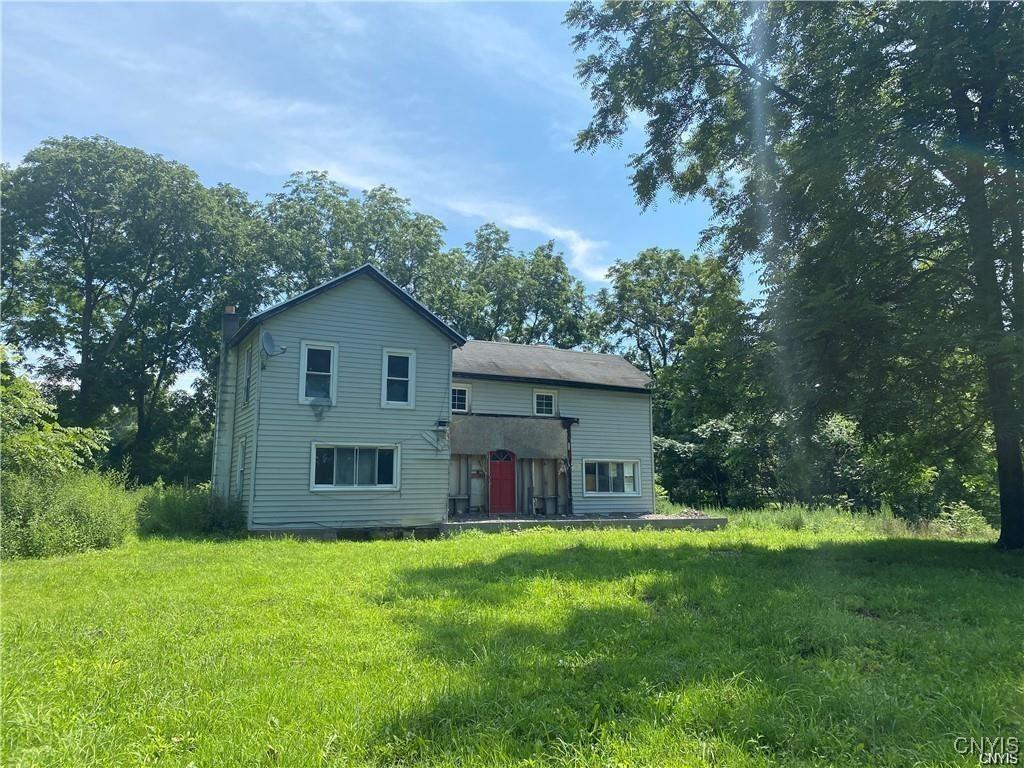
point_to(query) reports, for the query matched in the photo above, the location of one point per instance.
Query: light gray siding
(224, 429)
(361, 318)
(613, 425)
(245, 423)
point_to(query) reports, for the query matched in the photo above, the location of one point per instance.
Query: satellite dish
(269, 348)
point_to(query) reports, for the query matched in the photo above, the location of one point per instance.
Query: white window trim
(303, 400)
(469, 396)
(411, 354)
(554, 401)
(610, 494)
(353, 488)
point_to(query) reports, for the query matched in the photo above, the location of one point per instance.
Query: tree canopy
(117, 264)
(867, 156)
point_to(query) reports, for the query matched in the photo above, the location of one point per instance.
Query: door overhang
(528, 437)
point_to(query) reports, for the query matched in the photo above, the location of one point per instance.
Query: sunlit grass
(818, 643)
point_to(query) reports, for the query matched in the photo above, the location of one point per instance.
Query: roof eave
(645, 390)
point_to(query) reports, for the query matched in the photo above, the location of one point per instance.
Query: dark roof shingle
(514, 362)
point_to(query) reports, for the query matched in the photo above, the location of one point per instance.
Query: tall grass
(172, 510)
(961, 523)
(71, 513)
(77, 511)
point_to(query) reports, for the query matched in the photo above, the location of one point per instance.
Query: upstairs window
(316, 372)
(545, 402)
(460, 399)
(398, 379)
(347, 467)
(610, 477)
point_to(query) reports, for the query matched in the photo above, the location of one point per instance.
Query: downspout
(567, 423)
(654, 474)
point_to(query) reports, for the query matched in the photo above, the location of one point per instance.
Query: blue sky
(468, 109)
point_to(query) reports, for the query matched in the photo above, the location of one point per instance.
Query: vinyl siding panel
(224, 429)
(361, 318)
(245, 422)
(613, 425)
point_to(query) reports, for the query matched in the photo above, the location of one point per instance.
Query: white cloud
(584, 253)
(322, 21)
(501, 50)
(197, 111)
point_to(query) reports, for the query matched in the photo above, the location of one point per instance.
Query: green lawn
(749, 646)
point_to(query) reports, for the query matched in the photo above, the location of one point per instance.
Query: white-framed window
(545, 402)
(317, 364)
(398, 378)
(611, 477)
(248, 374)
(340, 467)
(462, 397)
(241, 467)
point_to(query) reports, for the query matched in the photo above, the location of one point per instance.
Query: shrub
(178, 510)
(960, 521)
(72, 513)
(31, 441)
(662, 505)
(792, 519)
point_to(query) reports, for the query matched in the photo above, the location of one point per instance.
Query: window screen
(609, 476)
(318, 371)
(398, 378)
(544, 403)
(353, 467)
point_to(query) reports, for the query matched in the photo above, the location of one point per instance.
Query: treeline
(868, 157)
(741, 422)
(116, 264)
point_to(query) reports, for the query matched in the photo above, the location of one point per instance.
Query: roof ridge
(545, 346)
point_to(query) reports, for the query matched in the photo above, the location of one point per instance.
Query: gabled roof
(370, 271)
(546, 365)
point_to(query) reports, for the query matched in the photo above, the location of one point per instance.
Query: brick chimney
(228, 325)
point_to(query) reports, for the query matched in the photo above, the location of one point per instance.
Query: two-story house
(354, 406)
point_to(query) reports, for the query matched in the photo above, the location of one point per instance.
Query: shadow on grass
(837, 653)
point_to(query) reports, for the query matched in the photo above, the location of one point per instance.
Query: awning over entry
(527, 438)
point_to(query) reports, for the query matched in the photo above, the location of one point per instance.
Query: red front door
(502, 488)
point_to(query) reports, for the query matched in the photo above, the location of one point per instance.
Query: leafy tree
(526, 298)
(183, 450)
(653, 303)
(649, 307)
(446, 285)
(318, 230)
(681, 319)
(120, 257)
(549, 306)
(32, 442)
(865, 153)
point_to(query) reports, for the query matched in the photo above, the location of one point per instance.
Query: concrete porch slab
(634, 523)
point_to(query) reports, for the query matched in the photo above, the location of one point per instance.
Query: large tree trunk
(996, 349)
